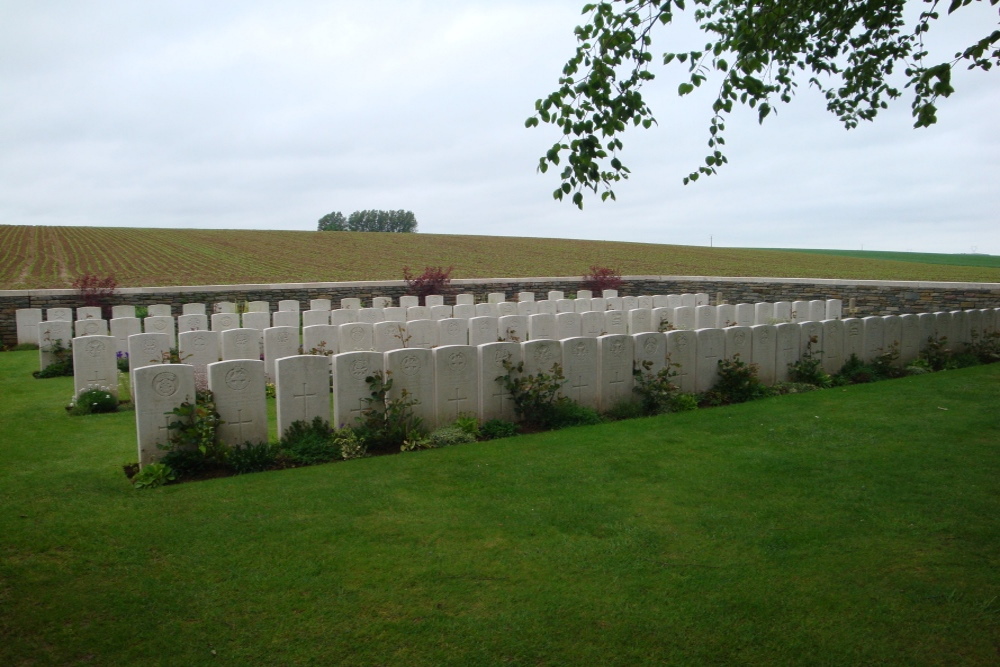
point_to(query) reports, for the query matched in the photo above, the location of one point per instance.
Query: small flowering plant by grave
(92, 401)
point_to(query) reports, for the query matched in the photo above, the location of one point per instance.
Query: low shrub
(350, 445)
(387, 424)
(121, 360)
(63, 364)
(196, 430)
(566, 412)
(809, 368)
(153, 475)
(450, 435)
(657, 392)
(309, 443)
(434, 280)
(986, 347)
(737, 383)
(93, 401)
(494, 429)
(600, 278)
(252, 457)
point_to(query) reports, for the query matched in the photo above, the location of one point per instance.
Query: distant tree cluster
(369, 221)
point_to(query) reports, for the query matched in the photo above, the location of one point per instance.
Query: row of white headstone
(383, 330)
(453, 380)
(87, 320)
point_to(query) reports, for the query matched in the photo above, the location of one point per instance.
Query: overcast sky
(267, 115)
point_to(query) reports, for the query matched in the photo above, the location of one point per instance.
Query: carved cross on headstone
(165, 427)
(579, 385)
(96, 379)
(305, 395)
(617, 380)
(500, 392)
(239, 424)
(457, 401)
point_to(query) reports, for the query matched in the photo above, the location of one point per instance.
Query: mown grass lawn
(847, 526)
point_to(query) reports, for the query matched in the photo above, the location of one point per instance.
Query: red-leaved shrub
(434, 280)
(96, 291)
(601, 278)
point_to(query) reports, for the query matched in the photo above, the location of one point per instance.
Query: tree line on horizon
(369, 221)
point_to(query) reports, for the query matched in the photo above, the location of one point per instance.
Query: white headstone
(352, 393)
(320, 339)
(279, 342)
(615, 322)
(223, 321)
(600, 303)
(909, 346)
(555, 295)
(409, 301)
(51, 335)
(432, 300)
(351, 303)
(644, 302)
(440, 312)
(412, 371)
(289, 305)
(118, 312)
(592, 324)
(745, 315)
(159, 389)
(762, 351)
(496, 297)
(611, 303)
(893, 335)
(581, 367)
(725, 316)
(650, 348)
(227, 307)
(344, 316)
(817, 310)
(542, 326)
(584, 294)
(662, 318)
(540, 355)
(854, 338)
(382, 302)
(787, 340)
(833, 345)
(464, 310)
(874, 337)
(565, 306)
(684, 318)
(486, 310)
(453, 331)
(91, 327)
(465, 299)
(800, 311)
(682, 351)
(371, 315)
(834, 308)
(388, 335)
(483, 330)
(357, 337)
(706, 317)
(163, 324)
(513, 328)
(199, 349)
(701, 299)
(27, 321)
(59, 314)
(121, 329)
(315, 317)
(320, 304)
(244, 343)
(258, 307)
(494, 399)
(627, 303)
(763, 313)
(456, 390)
(418, 313)
(159, 310)
(568, 325)
(421, 334)
(192, 322)
(527, 308)
(640, 320)
(302, 385)
(960, 330)
(256, 320)
(545, 306)
(193, 309)
(617, 354)
(88, 313)
(928, 325)
(943, 328)
(609, 293)
(95, 364)
(782, 311)
(582, 306)
(811, 334)
(286, 318)
(739, 343)
(147, 349)
(238, 393)
(506, 308)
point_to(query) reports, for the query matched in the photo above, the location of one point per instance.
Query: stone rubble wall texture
(448, 381)
(872, 297)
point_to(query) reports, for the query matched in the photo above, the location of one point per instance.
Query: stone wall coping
(500, 281)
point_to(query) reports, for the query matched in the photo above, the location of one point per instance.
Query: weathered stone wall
(872, 297)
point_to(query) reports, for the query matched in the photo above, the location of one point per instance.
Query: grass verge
(846, 526)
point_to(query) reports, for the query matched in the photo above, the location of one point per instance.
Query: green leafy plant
(657, 392)
(141, 312)
(196, 430)
(308, 443)
(737, 383)
(92, 401)
(351, 446)
(153, 475)
(450, 435)
(63, 364)
(388, 423)
(469, 423)
(121, 361)
(936, 355)
(494, 429)
(808, 369)
(537, 400)
(986, 347)
(252, 457)
(882, 367)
